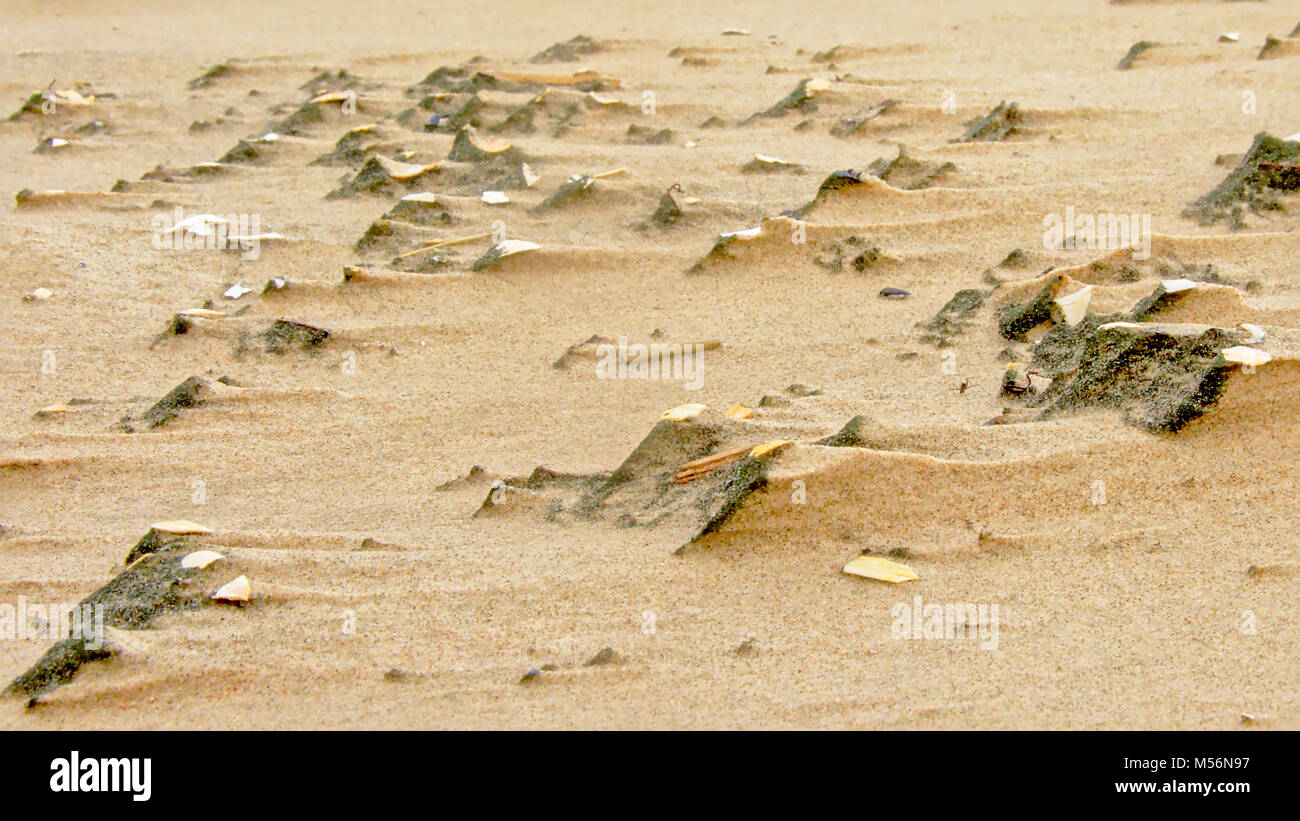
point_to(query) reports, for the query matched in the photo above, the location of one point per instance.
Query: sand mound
(1257, 184)
(154, 582)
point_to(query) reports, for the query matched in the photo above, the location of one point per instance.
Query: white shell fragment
(39, 295)
(1229, 37)
(735, 32)
(1294, 138)
(1109, 325)
(1241, 355)
(202, 313)
(421, 196)
(200, 559)
(1256, 333)
(748, 233)
(495, 197)
(236, 291)
(236, 590)
(1173, 286)
(504, 248)
(180, 527)
(510, 247)
(1075, 306)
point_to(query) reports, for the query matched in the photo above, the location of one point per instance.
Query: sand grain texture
(341, 415)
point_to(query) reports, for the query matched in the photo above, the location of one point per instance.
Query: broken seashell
(403, 171)
(495, 197)
(200, 559)
(180, 527)
(1250, 357)
(504, 248)
(1075, 306)
(1109, 325)
(236, 291)
(767, 447)
(1294, 138)
(740, 412)
(764, 164)
(334, 97)
(52, 410)
(237, 590)
(1256, 333)
(735, 32)
(1173, 286)
(748, 233)
(894, 293)
(874, 567)
(201, 313)
(38, 295)
(1229, 37)
(682, 413)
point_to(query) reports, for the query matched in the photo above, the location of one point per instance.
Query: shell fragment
(874, 567)
(236, 591)
(1250, 357)
(200, 559)
(1075, 306)
(180, 527)
(1256, 333)
(767, 447)
(682, 413)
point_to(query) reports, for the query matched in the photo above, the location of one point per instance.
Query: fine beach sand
(338, 477)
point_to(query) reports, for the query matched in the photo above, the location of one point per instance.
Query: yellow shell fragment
(180, 527)
(200, 559)
(333, 97)
(237, 590)
(52, 410)
(402, 171)
(683, 412)
(740, 412)
(874, 567)
(767, 447)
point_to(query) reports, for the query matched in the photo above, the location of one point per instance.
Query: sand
(382, 601)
